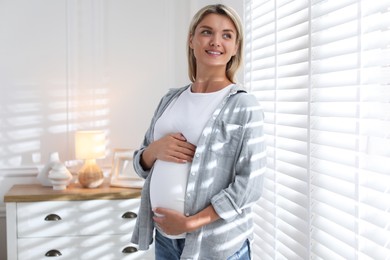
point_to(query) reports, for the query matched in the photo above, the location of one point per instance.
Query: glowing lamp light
(90, 145)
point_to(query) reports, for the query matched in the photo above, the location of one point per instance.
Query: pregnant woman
(203, 156)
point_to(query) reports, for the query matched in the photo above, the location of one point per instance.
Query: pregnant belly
(168, 185)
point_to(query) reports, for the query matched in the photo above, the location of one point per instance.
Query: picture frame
(122, 171)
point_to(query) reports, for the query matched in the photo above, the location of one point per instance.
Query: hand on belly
(170, 221)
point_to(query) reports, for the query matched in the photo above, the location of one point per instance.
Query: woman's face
(214, 41)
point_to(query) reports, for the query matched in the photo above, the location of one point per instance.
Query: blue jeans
(171, 249)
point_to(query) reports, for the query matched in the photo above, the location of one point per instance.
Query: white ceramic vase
(59, 176)
(43, 175)
(54, 173)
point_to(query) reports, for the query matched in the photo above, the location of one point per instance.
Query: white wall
(70, 65)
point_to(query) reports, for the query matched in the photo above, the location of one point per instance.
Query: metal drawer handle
(129, 214)
(52, 217)
(53, 253)
(129, 250)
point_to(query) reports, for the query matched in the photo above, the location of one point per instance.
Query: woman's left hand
(175, 223)
(171, 221)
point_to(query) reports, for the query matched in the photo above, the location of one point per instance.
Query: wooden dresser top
(37, 192)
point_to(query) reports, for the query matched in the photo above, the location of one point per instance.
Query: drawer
(74, 218)
(103, 247)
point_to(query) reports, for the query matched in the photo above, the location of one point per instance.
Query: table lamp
(90, 145)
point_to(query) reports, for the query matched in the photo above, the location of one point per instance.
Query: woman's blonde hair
(235, 62)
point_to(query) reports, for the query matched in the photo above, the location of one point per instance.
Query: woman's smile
(214, 53)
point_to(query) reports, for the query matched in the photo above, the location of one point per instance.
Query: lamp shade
(90, 144)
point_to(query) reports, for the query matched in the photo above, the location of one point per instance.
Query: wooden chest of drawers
(87, 224)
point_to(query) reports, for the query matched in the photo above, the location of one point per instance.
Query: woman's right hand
(171, 148)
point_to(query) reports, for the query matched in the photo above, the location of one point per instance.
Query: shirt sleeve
(246, 187)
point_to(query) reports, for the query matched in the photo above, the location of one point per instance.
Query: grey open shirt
(227, 172)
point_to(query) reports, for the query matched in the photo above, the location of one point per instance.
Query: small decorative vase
(60, 176)
(43, 175)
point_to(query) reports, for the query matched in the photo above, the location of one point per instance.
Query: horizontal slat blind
(374, 127)
(334, 96)
(321, 71)
(291, 147)
(260, 46)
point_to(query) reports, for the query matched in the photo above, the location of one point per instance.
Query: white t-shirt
(188, 115)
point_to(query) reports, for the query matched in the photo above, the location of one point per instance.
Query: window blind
(321, 71)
